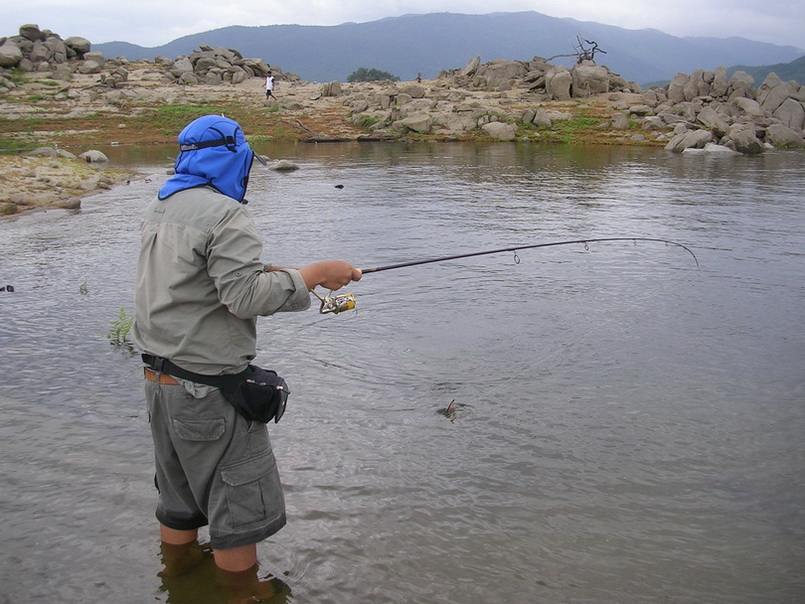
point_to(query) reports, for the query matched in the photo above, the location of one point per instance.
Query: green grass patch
(13, 146)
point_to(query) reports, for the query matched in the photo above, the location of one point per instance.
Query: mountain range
(413, 44)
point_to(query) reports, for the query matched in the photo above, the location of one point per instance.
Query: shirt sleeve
(233, 263)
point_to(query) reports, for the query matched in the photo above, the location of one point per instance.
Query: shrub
(371, 75)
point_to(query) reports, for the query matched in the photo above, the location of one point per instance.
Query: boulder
(331, 89)
(32, 33)
(542, 119)
(80, 46)
(747, 107)
(676, 88)
(740, 85)
(713, 149)
(620, 121)
(743, 139)
(696, 139)
(422, 123)
(10, 54)
(772, 92)
(720, 85)
(283, 165)
(558, 81)
(500, 131)
(414, 91)
(783, 136)
(696, 86)
(93, 156)
(589, 80)
(471, 67)
(791, 114)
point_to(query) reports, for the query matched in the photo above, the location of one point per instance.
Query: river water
(629, 427)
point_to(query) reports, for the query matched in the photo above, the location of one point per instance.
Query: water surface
(629, 427)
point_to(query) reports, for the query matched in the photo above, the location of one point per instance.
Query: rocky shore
(60, 94)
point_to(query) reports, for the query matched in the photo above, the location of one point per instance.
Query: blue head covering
(213, 152)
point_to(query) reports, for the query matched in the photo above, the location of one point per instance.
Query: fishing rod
(339, 302)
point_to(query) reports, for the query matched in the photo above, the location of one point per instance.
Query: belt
(162, 378)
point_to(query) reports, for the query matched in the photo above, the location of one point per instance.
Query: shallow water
(629, 426)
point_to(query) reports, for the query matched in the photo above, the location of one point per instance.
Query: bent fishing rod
(336, 303)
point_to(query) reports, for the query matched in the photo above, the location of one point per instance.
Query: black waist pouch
(258, 394)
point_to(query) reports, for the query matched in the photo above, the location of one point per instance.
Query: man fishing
(200, 285)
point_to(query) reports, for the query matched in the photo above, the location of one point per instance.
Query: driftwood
(582, 54)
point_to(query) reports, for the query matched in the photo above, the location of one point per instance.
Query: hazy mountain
(795, 70)
(405, 46)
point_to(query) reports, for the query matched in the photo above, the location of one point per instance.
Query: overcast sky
(156, 22)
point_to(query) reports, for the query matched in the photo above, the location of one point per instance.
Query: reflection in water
(626, 428)
(190, 576)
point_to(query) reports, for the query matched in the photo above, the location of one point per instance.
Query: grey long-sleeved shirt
(200, 283)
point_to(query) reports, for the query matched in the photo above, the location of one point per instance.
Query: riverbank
(140, 103)
(81, 114)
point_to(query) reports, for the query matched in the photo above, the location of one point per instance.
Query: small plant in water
(119, 330)
(83, 289)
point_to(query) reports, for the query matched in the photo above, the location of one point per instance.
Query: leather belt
(162, 378)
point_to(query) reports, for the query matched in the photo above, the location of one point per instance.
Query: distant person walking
(269, 85)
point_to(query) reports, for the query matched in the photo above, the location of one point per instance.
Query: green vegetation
(365, 121)
(119, 330)
(371, 75)
(12, 146)
(170, 119)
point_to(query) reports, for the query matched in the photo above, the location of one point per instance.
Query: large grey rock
(695, 86)
(93, 156)
(589, 80)
(471, 67)
(676, 88)
(696, 139)
(783, 136)
(31, 32)
(10, 54)
(748, 107)
(422, 123)
(742, 138)
(791, 113)
(720, 85)
(89, 67)
(39, 53)
(542, 119)
(557, 83)
(620, 121)
(772, 92)
(740, 85)
(331, 89)
(78, 45)
(500, 131)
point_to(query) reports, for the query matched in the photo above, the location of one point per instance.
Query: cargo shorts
(213, 467)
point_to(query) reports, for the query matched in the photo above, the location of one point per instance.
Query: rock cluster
(213, 66)
(538, 76)
(702, 109)
(42, 50)
(452, 107)
(706, 109)
(37, 50)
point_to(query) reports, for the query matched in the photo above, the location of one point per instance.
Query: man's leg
(237, 571)
(180, 551)
(236, 559)
(174, 537)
